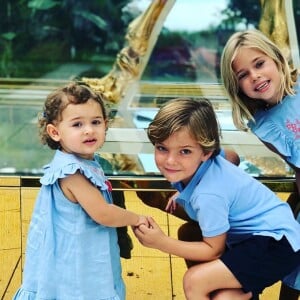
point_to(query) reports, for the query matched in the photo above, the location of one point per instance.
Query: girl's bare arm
(77, 188)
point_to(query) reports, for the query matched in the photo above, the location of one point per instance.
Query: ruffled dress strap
(65, 164)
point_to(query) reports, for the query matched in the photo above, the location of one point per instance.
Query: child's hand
(143, 220)
(151, 236)
(172, 205)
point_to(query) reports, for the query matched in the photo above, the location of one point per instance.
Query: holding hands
(142, 220)
(150, 236)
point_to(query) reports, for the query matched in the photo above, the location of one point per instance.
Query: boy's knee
(193, 284)
(189, 283)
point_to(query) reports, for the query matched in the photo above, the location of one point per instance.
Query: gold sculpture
(129, 62)
(273, 23)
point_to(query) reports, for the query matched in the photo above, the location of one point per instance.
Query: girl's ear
(106, 124)
(53, 132)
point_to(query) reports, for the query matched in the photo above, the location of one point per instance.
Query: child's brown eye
(185, 151)
(160, 148)
(241, 76)
(259, 64)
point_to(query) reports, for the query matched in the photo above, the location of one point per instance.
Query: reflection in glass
(40, 50)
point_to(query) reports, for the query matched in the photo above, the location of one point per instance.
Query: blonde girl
(264, 94)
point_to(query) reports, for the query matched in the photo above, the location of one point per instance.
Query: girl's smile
(257, 75)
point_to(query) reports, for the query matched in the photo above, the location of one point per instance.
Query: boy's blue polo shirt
(223, 198)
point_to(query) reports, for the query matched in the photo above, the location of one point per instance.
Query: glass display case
(177, 47)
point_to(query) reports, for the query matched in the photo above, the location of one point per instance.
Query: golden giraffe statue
(273, 23)
(131, 59)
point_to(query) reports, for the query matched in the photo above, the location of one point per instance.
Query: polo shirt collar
(186, 191)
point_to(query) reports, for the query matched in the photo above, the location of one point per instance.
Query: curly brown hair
(58, 100)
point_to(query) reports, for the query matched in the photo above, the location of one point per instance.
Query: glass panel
(195, 31)
(43, 44)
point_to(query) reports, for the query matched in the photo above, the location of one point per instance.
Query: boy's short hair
(197, 116)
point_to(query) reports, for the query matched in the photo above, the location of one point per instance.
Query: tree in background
(50, 31)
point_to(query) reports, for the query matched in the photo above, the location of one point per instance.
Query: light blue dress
(280, 126)
(68, 255)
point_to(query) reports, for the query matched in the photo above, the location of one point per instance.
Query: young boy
(250, 237)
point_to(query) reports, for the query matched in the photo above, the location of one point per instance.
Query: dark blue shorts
(260, 261)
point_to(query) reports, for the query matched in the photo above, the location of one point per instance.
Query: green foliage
(42, 4)
(98, 21)
(53, 32)
(9, 36)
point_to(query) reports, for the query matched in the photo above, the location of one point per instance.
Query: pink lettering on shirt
(294, 127)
